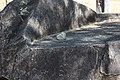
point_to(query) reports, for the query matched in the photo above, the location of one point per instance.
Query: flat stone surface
(101, 35)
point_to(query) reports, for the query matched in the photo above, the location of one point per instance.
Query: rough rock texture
(90, 54)
(44, 17)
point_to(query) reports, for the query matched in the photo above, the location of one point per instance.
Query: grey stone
(88, 54)
(61, 36)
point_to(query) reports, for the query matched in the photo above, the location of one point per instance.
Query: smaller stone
(61, 36)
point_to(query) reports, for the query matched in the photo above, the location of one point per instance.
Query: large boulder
(90, 54)
(39, 18)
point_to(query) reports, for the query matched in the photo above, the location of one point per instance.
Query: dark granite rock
(82, 55)
(45, 17)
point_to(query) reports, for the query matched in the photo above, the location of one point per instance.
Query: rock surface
(45, 17)
(30, 51)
